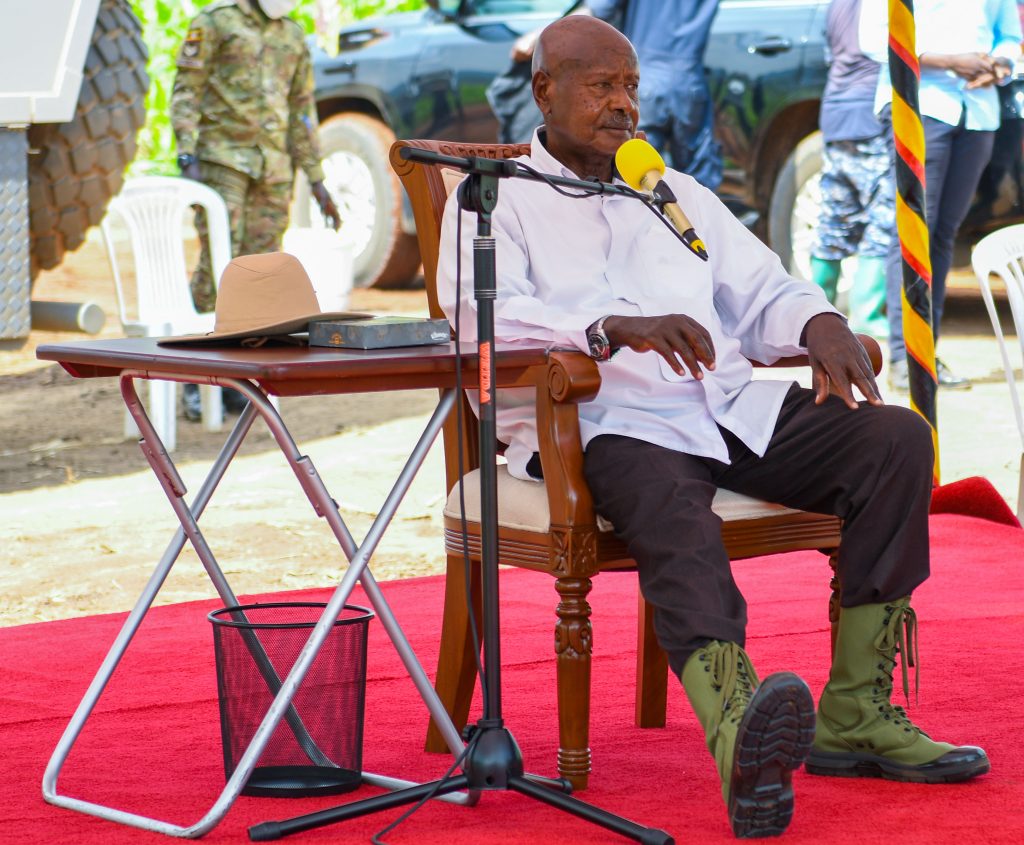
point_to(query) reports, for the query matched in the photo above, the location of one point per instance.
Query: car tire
(354, 148)
(793, 210)
(75, 168)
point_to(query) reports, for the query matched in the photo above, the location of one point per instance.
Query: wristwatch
(186, 160)
(597, 340)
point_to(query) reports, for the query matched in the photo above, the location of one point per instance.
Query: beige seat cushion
(524, 504)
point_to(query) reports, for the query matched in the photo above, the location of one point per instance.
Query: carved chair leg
(833, 600)
(456, 663)
(651, 671)
(573, 635)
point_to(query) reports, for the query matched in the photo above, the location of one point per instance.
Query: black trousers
(872, 467)
(956, 157)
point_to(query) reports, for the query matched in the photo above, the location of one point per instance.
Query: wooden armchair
(552, 527)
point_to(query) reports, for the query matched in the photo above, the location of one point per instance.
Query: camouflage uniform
(858, 215)
(243, 104)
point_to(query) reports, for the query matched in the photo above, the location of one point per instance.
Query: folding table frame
(273, 370)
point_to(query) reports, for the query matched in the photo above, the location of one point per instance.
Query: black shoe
(899, 379)
(191, 405)
(234, 402)
(773, 739)
(947, 378)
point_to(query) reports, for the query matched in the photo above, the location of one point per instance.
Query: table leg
(358, 571)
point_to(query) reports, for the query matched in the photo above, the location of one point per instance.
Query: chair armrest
(571, 378)
(869, 343)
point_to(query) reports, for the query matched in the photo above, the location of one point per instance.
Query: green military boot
(758, 733)
(860, 733)
(867, 298)
(825, 274)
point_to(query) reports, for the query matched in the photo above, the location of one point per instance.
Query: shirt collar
(545, 161)
(549, 164)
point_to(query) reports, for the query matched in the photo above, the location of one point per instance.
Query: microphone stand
(492, 759)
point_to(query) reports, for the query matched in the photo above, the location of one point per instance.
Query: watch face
(598, 345)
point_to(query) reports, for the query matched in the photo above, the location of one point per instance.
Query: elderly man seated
(678, 416)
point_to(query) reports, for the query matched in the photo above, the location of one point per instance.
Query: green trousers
(258, 216)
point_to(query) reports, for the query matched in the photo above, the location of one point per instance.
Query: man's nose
(621, 99)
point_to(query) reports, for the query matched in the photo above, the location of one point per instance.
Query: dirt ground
(84, 520)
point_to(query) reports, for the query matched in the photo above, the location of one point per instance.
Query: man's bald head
(585, 81)
(576, 40)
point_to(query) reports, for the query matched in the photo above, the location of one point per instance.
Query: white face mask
(275, 9)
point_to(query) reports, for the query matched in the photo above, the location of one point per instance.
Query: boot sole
(773, 739)
(853, 765)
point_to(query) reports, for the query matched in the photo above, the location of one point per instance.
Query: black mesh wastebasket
(317, 747)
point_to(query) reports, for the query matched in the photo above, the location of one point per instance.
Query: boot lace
(733, 676)
(898, 637)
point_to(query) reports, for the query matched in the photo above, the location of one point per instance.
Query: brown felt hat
(262, 296)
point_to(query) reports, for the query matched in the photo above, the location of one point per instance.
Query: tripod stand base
(493, 762)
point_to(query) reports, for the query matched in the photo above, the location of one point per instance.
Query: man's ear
(542, 84)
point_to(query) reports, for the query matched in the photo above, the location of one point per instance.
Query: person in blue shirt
(965, 48)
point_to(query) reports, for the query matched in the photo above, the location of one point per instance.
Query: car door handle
(770, 46)
(343, 67)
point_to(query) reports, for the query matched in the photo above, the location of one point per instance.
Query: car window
(517, 7)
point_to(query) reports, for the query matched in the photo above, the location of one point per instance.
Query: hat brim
(292, 326)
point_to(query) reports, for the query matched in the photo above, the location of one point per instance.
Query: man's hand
(838, 361)
(327, 206)
(1001, 68)
(982, 81)
(969, 66)
(673, 336)
(524, 46)
(188, 164)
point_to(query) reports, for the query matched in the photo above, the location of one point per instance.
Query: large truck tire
(75, 168)
(354, 149)
(795, 206)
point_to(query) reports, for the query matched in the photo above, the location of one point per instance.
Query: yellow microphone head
(635, 160)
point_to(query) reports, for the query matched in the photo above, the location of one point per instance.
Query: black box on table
(379, 332)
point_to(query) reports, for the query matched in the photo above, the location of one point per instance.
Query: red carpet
(153, 745)
(974, 496)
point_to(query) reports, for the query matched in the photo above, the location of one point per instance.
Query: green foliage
(164, 25)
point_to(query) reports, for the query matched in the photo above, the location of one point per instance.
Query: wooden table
(275, 369)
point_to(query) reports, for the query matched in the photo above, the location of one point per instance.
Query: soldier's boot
(825, 274)
(867, 298)
(757, 733)
(860, 733)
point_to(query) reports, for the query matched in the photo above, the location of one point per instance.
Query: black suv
(424, 75)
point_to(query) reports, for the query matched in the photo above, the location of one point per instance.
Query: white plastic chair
(1002, 253)
(153, 210)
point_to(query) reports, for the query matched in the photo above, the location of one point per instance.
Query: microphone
(641, 167)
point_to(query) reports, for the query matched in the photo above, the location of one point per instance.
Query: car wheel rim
(350, 184)
(803, 225)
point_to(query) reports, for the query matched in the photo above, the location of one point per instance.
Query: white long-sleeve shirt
(947, 27)
(562, 263)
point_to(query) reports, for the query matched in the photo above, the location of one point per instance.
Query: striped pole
(905, 74)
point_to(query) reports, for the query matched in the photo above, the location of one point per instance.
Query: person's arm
(302, 140)
(605, 9)
(524, 46)
(1007, 37)
(973, 67)
(194, 64)
(772, 313)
